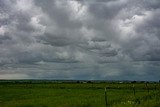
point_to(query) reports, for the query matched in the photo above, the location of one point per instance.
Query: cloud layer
(69, 39)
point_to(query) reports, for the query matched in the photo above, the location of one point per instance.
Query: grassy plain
(72, 94)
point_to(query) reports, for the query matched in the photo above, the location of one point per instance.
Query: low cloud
(80, 39)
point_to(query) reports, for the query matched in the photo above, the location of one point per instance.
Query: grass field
(59, 94)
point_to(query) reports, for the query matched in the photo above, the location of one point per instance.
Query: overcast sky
(84, 39)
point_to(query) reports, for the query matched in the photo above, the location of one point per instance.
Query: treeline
(70, 81)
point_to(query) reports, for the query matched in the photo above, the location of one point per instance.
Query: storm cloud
(80, 39)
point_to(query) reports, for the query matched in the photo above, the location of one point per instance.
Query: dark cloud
(4, 38)
(80, 39)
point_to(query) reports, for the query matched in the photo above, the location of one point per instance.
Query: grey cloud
(107, 9)
(4, 38)
(59, 13)
(80, 39)
(57, 40)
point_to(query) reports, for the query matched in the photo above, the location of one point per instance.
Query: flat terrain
(73, 94)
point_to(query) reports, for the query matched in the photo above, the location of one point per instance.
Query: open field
(73, 94)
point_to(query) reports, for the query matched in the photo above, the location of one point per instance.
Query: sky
(80, 39)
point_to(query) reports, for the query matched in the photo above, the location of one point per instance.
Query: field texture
(79, 94)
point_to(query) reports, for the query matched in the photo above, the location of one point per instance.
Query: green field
(72, 94)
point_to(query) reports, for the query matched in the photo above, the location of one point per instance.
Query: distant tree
(133, 81)
(89, 81)
(78, 81)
